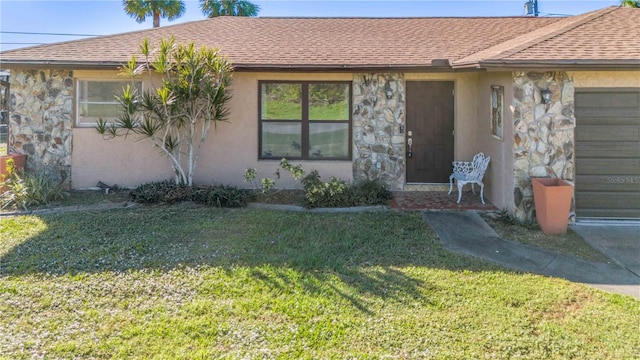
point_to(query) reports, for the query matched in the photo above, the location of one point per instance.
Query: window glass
(91, 112)
(281, 101)
(328, 140)
(305, 120)
(281, 139)
(96, 99)
(328, 102)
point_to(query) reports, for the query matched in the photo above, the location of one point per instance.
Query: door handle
(409, 144)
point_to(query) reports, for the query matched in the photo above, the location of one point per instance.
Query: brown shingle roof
(610, 36)
(604, 37)
(352, 43)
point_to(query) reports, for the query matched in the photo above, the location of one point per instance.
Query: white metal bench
(465, 172)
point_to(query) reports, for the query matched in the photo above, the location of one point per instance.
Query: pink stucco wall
(231, 148)
(120, 161)
(499, 177)
(233, 145)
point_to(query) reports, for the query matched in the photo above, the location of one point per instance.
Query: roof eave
(570, 64)
(53, 64)
(342, 67)
(13, 64)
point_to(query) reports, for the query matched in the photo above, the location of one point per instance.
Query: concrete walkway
(466, 232)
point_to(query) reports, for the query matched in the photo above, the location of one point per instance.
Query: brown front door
(430, 131)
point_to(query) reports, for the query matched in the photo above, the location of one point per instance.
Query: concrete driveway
(618, 241)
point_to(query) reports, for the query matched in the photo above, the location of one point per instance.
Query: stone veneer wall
(41, 120)
(543, 134)
(378, 129)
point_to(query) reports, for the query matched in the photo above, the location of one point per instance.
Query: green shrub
(370, 192)
(220, 196)
(28, 189)
(338, 193)
(169, 192)
(334, 193)
(153, 192)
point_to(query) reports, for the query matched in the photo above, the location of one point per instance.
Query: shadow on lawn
(368, 252)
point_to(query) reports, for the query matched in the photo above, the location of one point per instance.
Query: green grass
(570, 243)
(92, 197)
(80, 198)
(196, 282)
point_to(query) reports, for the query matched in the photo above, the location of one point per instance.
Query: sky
(103, 17)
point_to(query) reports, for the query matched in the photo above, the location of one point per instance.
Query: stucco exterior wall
(118, 161)
(499, 176)
(232, 146)
(600, 79)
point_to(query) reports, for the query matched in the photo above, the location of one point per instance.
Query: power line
(20, 43)
(547, 14)
(39, 33)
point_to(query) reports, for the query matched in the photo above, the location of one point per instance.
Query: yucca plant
(178, 114)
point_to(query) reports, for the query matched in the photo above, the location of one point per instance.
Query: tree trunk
(156, 18)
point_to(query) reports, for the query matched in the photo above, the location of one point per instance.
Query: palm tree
(213, 8)
(141, 9)
(630, 3)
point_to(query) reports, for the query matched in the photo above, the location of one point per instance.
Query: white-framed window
(97, 99)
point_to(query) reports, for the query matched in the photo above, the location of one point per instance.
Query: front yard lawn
(186, 281)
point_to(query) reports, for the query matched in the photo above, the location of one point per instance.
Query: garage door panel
(621, 184)
(607, 166)
(609, 119)
(608, 133)
(595, 113)
(607, 153)
(611, 149)
(611, 213)
(608, 200)
(608, 99)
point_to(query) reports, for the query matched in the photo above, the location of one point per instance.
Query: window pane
(97, 99)
(102, 91)
(281, 101)
(328, 140)
(281, 139)
(328, 102)
(94, 111)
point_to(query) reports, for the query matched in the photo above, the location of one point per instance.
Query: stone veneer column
(41, 120)
(543, 134)
(378, 129)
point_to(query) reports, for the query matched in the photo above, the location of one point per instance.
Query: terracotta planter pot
(552, 198)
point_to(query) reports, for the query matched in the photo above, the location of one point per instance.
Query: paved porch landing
(438, 200)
